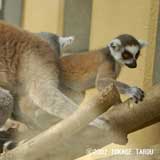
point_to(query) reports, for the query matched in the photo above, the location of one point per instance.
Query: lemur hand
(136, 93)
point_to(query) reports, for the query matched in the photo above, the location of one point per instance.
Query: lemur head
(126, 49)
(57, 42)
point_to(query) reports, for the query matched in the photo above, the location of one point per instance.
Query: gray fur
(52, 39)
(55, 41)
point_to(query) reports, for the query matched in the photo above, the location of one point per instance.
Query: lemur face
(126, 49)
(65, 41)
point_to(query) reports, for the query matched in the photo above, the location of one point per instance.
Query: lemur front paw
(136, 93)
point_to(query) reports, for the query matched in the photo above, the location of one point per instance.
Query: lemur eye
(113, 46)
(116, 47)
(127, 55)
(137, 55)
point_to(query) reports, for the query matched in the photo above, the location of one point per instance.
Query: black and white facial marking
(126, 49)
(55, 41)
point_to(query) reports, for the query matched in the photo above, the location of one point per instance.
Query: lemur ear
(142, 43)
(115, 45)
(66, 41)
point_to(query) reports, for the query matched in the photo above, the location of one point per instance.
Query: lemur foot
(136, 93)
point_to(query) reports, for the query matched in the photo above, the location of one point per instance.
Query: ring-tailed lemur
(101, 67)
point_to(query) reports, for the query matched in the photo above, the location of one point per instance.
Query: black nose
(132, 65)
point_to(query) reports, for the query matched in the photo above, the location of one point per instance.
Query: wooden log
(117, 123)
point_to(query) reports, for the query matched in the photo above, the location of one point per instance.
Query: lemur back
(79, 71)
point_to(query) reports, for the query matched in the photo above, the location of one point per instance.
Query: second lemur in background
(55, 41)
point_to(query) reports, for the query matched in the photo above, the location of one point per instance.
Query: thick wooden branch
(117, 123)
(63, 131)
(130, 117)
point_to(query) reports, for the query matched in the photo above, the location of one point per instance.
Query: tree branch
(117, 123)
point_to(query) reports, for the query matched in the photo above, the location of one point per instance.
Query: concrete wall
(77, 13)
(13, 11)
(43, 15)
